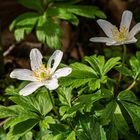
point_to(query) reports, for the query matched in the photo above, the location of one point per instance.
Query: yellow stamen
(42, 74)
(120, 35)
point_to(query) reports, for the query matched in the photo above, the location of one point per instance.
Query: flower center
(42, 74)
(120, 35)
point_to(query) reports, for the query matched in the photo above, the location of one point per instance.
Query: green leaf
(86, 11)
(20, 116)
(28, 136)
(44, 102)
(65, 95)
(132, 106)
(90, 129)
(45, 123)
(111, 132)
(32, 4)
(134, 112)
(58, 128)
(28, 103)
(2, 134)
(23, 127)
(110, 64)
(6, 112)
(108, 113)
(49, 32)
(81, 74)
(86, 101)
(24, 24)
(97, 63)
(71, 136)
(120, 122)
(135, 64)
(124, 70)
(128, 96)
(62, 13)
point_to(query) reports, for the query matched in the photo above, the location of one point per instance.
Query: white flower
(117, 36)
(41, 75)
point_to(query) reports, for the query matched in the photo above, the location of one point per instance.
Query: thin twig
(9, 50)
(32, 44)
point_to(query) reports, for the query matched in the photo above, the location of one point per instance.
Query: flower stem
(123, 62)
(52, 101)
(132, 85)
(124, 54)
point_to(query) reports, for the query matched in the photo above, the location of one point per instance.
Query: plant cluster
(88, 100)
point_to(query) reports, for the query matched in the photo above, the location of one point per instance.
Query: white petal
(134, 30)
(62, 72)
(36, 59)
(22, 74)
(102, 40)
(126, 19)
(110, 44)
(133, 40)
(55, 60)
(51, 84)
(30, 88)
(106, 26)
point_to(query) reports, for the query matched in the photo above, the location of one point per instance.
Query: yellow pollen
(42, 74)
(120, 35)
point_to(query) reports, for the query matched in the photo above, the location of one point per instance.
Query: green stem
(124, 54)
(123, 62)
(53, 104)
(132, 85)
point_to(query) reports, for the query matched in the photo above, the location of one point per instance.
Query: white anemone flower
(117, 36)
(41, 75)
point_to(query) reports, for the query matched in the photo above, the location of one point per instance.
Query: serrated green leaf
(120, 122)
(44, 102)
(110, 64)
(45, 123)
(90, 129)
(124, 70)
(24, 24)
(28, 136)
(58, 128)
(96, 63)
(132, 106)
(134, 112)
(86, 101)
(32, 4)
(108, 113)
(128, 96)
(62, 13)
(63, 109)
(6, 112)
(71, 136)
(23, 127)
(14, 121)
(65, 95)
(83, 10)
(27, 103)
(81, 74)
(135, 64)
(2, 134)
(49, 32)
(112, 133)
